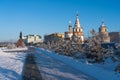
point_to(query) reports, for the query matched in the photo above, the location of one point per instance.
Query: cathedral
(75, 33)
(103, 32)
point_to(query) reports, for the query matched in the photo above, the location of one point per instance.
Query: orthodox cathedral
(75, 33)
(103, 32)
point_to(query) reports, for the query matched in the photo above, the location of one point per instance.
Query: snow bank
(53, 69)
(15, 49)
(98, 73)
(11, 65)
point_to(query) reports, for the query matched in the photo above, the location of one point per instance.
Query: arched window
(105, 30)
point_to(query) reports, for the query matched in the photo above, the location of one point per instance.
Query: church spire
(77, 14)
(103, 23)
(77, 22)
(70, 26)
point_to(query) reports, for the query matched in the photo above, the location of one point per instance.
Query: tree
(93, 48)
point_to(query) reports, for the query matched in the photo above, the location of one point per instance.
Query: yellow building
(54, 37)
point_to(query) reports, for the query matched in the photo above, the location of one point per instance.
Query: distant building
(69, 34)
(76, 33)
(103, 32)
(115, 37)
(54, 37)
(32, 39)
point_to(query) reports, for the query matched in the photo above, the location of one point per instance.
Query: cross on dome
(103, 23)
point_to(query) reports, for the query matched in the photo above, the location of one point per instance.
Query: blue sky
(48, 16)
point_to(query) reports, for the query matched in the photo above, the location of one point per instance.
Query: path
(31, 71)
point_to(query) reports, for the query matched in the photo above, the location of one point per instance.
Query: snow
(11, 65)
(15, 49)
(89, 69)
(107, 65)
(54, 69)
(54, 66)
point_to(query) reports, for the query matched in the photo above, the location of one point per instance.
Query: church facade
(103, 32)
(75, 33)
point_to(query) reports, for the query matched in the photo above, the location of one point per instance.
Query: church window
(105, 30)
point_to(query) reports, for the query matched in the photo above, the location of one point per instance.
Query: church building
(76, 33)
(103, 32)
(69, 34)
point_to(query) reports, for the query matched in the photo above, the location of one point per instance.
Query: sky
(48, 16)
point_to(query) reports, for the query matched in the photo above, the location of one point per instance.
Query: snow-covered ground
(54, 67)
(107, 65)
(11, 65)
(55, 70)
(14, 49)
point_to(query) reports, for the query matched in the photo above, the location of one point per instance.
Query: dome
(103, 28)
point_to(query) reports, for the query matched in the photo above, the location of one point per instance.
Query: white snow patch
(11, 65)
(15, 49)
(92, 70)
(54, 69)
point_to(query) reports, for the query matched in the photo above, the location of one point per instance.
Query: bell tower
(77, 30)
(103, 32)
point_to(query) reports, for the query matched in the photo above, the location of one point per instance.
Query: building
(32, 39)
(69, 34)
(54, 37)
(103, 32)
(76, 33)
(114, 37)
